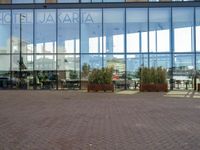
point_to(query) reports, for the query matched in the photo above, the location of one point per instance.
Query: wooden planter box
(153, 88)
(100, 87)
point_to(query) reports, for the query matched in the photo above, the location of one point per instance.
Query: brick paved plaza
(65, 120)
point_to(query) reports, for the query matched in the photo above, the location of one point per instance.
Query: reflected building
(59, 39)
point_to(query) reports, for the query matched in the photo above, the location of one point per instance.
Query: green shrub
(73, 74)
(153, 75)
(101, 76)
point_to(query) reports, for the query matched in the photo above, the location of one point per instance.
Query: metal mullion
(102, 24)
(195, 54)
(11, 22)
(172, 50)
(80, 76)
(56, 49)
(194, 33)
(34, 50)
(125, 49)
(148, 57)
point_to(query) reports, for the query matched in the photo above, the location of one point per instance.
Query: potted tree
(101, 80)
(153, 80)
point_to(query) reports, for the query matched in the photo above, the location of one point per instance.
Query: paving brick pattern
(67, 120)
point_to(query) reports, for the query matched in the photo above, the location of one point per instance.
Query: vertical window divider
(125, 49)
(195, 51)
(56, 49)
(102, 37)
(194, 35)
(148, 37)
(172, 50)
(34, 50)
(11, 38)
(80, 77)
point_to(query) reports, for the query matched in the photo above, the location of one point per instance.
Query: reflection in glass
(4, 62)
(39, 1)
(113, 0)
(26, 79)
(5, 81)
(183, 29)
(136, 25)
(5, 1)
(89, 62)
(68, 31)
(134, 63)
(159, 34)
(45, 31)
(5, 31)
(50, 1)
(45, 62)
(68, 71)
(91, 31)
(93, 60)
(160, 60)
(118, 64)
(22, 1)
(198, 29)
(45, 66)
(67, 1)
(26, 31)
(45, 80)
(113, 30)
(183, 70)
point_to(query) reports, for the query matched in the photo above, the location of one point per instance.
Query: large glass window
(22, 1)
(160, 60)
(113, 38)
(183, 29)
(91, 31)
(68, 31)
(134, 62)
(27, 62)
(92, 61)
(198, 29)
(45, 67)
(118, 64)
(68, 71)
(183, 65)
(22, 25)
(5, 71)
(5, 1)
(39, 1)
(67, 1)
(4, 62)
(23, 18)
(183, 70)
(68, 62)
(159, 29)
(113, 0)
(22, 75)
(139, 0)
(51, 1)
(5, 19)
(89, 62)
(45, 31)
(198, 64)
(45, 62)
(88, 1)
(136, 26)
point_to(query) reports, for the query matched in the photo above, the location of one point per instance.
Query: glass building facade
(55, 46)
